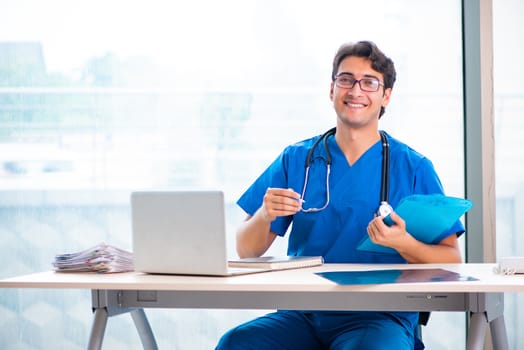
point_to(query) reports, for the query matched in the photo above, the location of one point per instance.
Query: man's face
(354, 106)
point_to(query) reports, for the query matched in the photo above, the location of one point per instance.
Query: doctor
(330, 193)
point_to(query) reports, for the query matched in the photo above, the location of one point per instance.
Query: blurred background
(101, 98)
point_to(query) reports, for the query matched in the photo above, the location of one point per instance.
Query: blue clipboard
(427, 217)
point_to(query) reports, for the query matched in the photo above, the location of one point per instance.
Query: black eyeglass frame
(379, 83)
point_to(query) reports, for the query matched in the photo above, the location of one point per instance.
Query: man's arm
(414, 251)
(446, 251)
(254, 236)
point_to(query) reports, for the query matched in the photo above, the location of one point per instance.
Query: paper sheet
(394, 276)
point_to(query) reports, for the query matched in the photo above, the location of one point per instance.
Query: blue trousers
(301, 330)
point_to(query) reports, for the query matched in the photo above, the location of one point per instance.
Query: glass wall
(509, 158)
(101, 98)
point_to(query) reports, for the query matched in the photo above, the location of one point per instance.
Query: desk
(301, 289)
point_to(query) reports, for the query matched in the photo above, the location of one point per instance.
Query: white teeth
(354, 105)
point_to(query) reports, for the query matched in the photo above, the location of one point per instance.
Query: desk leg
(478, 324)
(144, 329)
(498, 333)
(477, 332)
(98, 329)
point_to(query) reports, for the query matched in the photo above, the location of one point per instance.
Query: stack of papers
(102, 258)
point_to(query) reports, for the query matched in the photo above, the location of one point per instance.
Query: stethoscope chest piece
(384, 209)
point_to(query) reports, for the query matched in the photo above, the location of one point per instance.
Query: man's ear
(331, 91)
(387, 96)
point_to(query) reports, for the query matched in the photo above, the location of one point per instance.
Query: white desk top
(288, 280)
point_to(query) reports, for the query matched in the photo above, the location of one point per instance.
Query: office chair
(423, 318)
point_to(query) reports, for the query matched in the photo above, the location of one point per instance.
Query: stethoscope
(384, 208)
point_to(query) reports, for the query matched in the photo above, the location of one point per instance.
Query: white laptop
(181, 232)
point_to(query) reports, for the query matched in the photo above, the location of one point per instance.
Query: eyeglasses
(347, 81)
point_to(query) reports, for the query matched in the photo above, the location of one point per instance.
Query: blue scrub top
(336, 231)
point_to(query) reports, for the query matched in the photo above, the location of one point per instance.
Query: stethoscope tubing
(384, 186)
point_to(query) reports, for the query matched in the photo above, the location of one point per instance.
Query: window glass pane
(509, 158)
(100, 98)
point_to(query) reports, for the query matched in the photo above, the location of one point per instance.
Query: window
(196, 94)
(509, 168)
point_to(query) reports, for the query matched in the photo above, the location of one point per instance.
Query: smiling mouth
(354, 105)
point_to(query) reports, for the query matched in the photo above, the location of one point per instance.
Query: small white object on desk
(511, 265)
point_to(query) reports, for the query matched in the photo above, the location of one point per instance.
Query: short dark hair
(368, 50)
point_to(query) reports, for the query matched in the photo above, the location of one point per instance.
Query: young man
(333, 204)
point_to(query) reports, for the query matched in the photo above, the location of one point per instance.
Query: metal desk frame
(484, 308)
